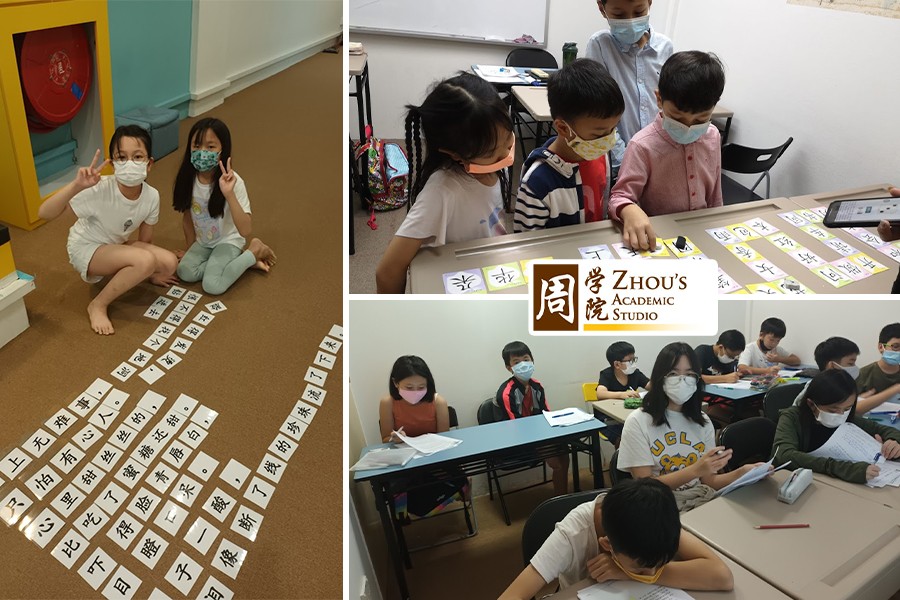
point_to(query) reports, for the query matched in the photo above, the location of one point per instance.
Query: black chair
(742, 159)
(750, 441)
(615, 475)
(778, 398)
(488, 412)
(528, 57)
(543, 520)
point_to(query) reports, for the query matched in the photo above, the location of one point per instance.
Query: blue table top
(484, 439)
(723, 390)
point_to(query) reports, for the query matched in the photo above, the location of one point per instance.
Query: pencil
(785, 526)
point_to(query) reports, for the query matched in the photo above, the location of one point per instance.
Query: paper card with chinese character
(817, 232)
(740, 291)
(108, 456)
(192, 297)
(38, 443)
(219, 504)
(294, 428)
(116, 399)
(171, 518)
(122, 585)
(726, 284)
(744, 252)
(151, 402)
(841, 247)
(784, 242)
(193, 435)
(891, 251)
(124, 529)
(122, 437)
(246, 522)
(161, 477)
(868, 263)
(193, 331)
(201, 535)
(203, 465)
(283, 447)
(186, 490)
(789, 285)
(315, 376)
(501, 277)
(235, 474)
(103, 417)
(61, 421)
(627, 253)
(229, 557)
(336, 331)
(304, 412)
(330, 344)
(213, 588)
(13, 506)
(806, 257)
(259, 491)
(164, 330)
(180, 345)
(168, 360)
(68, 458)
(43, 482)
(162, 302)
(599, 252)
(70, 548)
(154, 342)
(124, 371)
(44, 528)
(689, 248)
(97, 568)
(184, 573)
(216, 307)
(98, 388)
(764, 289)
(794, 219)
(324, 360)
(271, 468)
(91, 521)
(203, 317)
(175, 318)
(761, 226)
(150, 548)
(766, 269)
(130, 473)
(68, 500)
(723, 235)
(14, 463)
(157, 594)
(83, 405)
(832, 275)
(810, 215)
(524, 264)
(177, 454)
(176, 292)
(850, 269)
(868, 237)
(154, 312)
(152, 374)
(87, 437)
(313, 394)
(204, 416)
(112, 498)
(742, 232)
(184, 308)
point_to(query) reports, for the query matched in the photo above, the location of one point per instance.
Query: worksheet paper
(381, 458)
(429, 443)
(852, 444)
(750, 477)
(566, 416)
(631, 590)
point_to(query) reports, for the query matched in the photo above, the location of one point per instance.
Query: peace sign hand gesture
(227, 180)
(88, 177)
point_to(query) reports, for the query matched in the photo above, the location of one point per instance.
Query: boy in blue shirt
(633, 53)
(564, 181)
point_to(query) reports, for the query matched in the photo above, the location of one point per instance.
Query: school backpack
(384, 175)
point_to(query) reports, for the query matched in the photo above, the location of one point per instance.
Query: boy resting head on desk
(631, 532)
(675, 163)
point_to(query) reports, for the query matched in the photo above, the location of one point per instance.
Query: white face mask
(724, 359)
(130, 173)
(679, 389)
(852, 371)
(831, 420)
(630, 367)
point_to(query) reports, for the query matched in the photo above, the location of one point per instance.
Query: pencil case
(794, 487)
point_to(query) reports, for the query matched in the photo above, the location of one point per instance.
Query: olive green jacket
(790, 439)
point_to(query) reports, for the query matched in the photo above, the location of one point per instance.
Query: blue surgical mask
(891, 357)
(523, 370)
(629, 31)
(683, 134)
(204, 160)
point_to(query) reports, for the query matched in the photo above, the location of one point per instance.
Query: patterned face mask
(204, 160)
(591, 149)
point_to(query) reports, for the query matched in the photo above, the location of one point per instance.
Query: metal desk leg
(727, 129)
(576, 476)
(360, 107)
(368, 94)
(351, 168)
(597, 459)
(393, 548)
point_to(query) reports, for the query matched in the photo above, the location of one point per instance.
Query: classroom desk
(429, 265)
(525, 438)
(729, 393)
(747, 586)
(614, 409)
(850, 551)
(359, 70)
(886, 496)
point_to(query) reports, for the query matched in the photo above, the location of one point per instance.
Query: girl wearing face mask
(412, 403)
(109, 210)
(670, 437)
(457, 178)
(216, 212)
(830, 402)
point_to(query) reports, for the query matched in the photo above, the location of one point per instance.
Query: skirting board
(213, 96)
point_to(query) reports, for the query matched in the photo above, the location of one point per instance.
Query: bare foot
(265, 258)
(99, 320)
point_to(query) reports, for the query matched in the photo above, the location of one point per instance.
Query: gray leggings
(217, 267)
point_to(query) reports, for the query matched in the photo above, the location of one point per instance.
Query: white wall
(362, 581)
(236, 43)
(401, 70)
(826, 77)
(461, 341)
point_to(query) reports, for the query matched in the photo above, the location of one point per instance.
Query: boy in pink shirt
(675, 163)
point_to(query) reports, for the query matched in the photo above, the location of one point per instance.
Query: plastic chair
(543, 520)
(750, 441)
(615, 475)
(778, 398)
(743, 159)
(529, 57)
(488, 413)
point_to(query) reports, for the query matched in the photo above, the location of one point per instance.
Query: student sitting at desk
(675, 163)
(670, 438)
(633, 53)
(457, 184)
(633, 531)
(564, 181)
(830, 401)
(764, 356)
(881, 379)
(719, 361)
(835, 353)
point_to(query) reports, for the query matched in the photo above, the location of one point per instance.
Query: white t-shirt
(664, 448)
(753, 356)
(565, 552)
(214, 231)
(454, 207)
(105, 216)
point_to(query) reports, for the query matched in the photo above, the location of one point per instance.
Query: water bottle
(569, 52)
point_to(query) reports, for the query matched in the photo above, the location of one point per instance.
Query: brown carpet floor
(249, 365)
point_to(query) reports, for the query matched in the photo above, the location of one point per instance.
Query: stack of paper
(356, 48)
(428, 444)
(751, 476)
(566, 416)
(381, 458)
(852, 444)
(631, 590)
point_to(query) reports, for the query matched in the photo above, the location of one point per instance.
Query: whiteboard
(491, 21)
